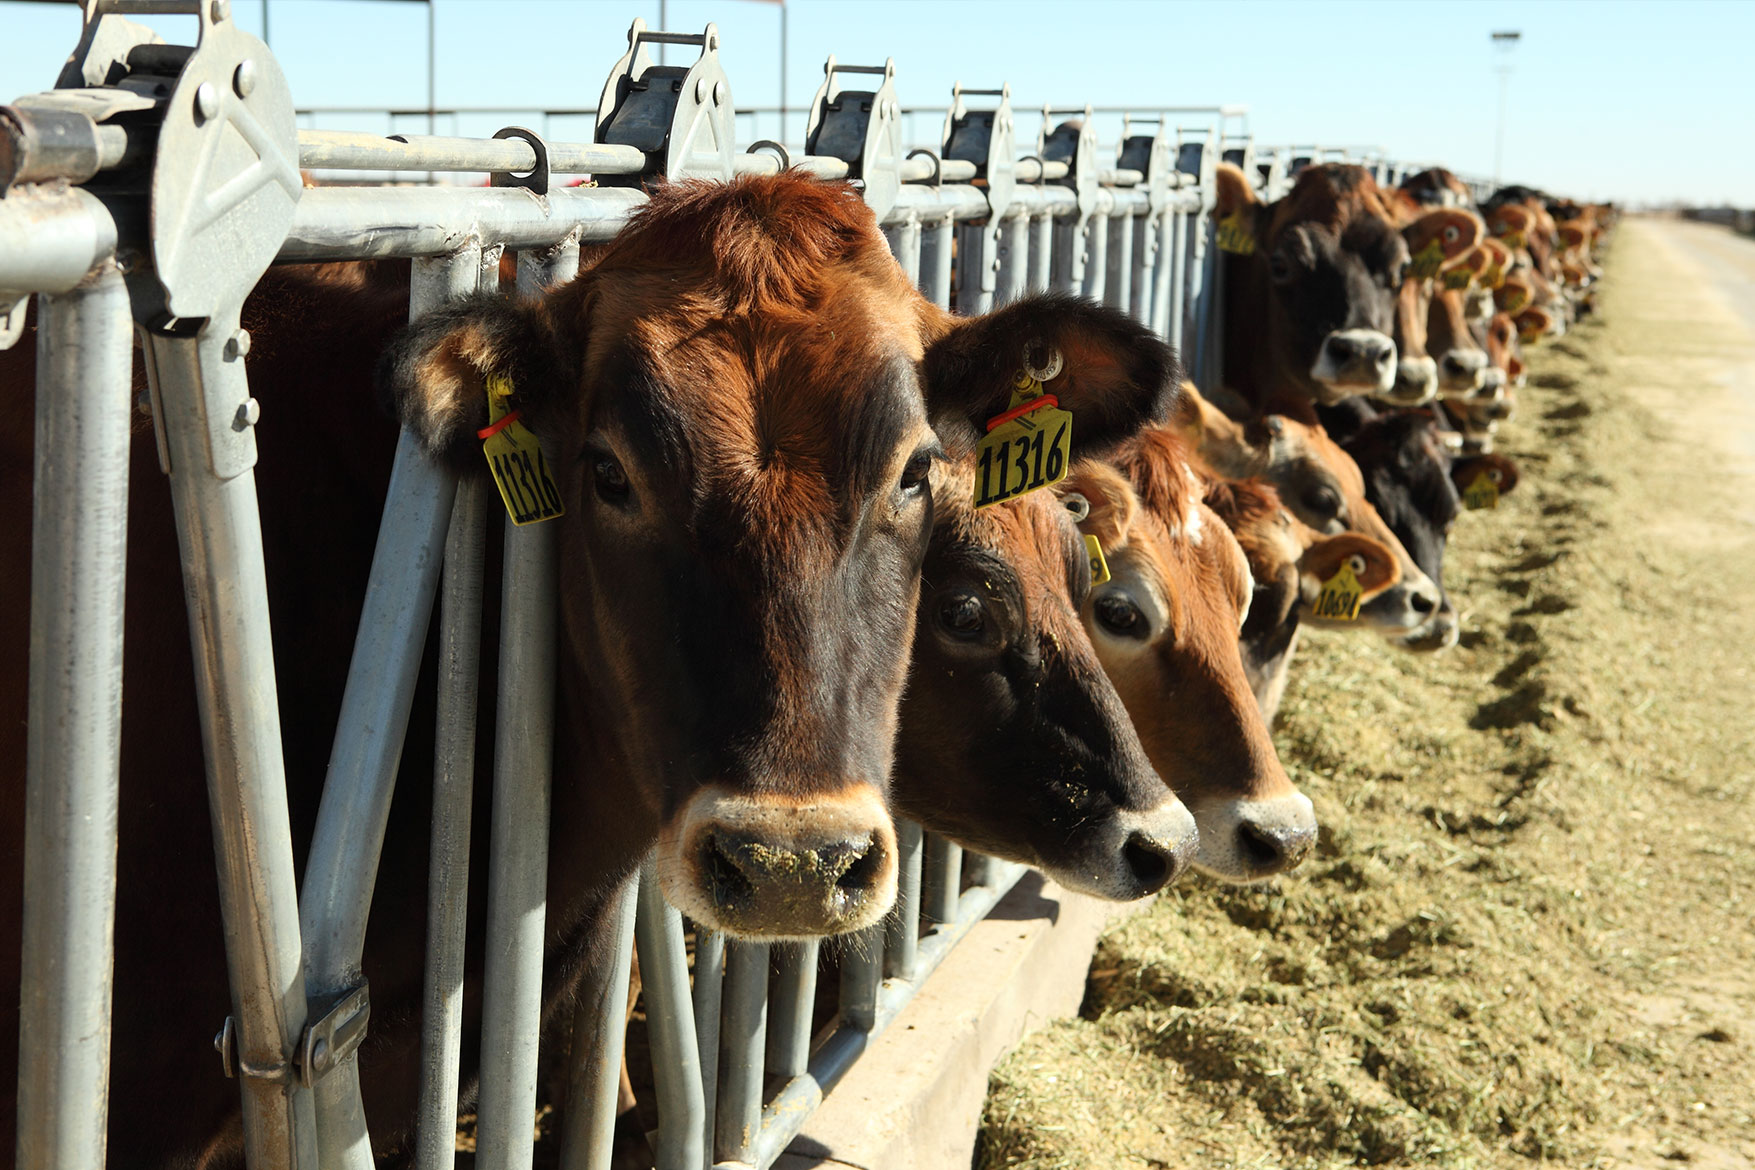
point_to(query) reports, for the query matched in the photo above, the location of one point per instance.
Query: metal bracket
(1075, 144)
(1197, 157)
(987, 138)
(326, 1043)
(535, 180)
(937, 165)
(682, 118)
(774, 148)
(1149, 154)
(862, 128)
(12, 313)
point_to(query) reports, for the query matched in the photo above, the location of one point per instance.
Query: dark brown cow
(735, 395)
(1165, 625)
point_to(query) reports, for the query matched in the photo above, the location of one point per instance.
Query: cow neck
(1248, 356)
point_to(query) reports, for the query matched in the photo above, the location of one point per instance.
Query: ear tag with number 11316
(1341, 594)
(1028, 446)
(515, 457)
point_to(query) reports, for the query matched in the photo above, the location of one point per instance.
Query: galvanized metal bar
(453, 791)
(974, 257)
(904, 241)
(743, 1027)
(676, 1061)
(1012, 265)
(1041, 253)
(348, 150)
(1097, 258)
(935, 261)
(976, 867)
(79, 542)
(941, 878)
(862, 974)
(708, 988)
(791, 999)
(341, 870)
(600, 1030)
(902, 928)
(51, 237)
(1178, 303)
(219, 533)
(1118, 288)
(518, 848)
(1144, 268)
(1202, 258)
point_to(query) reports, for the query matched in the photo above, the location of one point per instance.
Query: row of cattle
(829, 555)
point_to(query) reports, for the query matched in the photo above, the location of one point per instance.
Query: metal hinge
(327, 1041)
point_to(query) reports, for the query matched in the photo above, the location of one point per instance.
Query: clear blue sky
(1633, 100)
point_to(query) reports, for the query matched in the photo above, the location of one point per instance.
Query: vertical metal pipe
(1013, 261)
(1161, 273)
(518, 851)
(1142, 267)
(79, 541)
(902, 929)
(1179, 285)
(219, 533)
(974, 258)
(977, 868)
(1118, 288)
(453, 789)
(709, 986)
(1041, 253)
(1097, 260)
(342, 867)
(600, 1030)
(791, 1000)
(935, 262)
(676, 1061)
(862, 977)
(743, 1027)
(904, 240)
(941, 878)
(1200, 259)
(1070, 249)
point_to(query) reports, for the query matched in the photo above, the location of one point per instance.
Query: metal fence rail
(976, 222)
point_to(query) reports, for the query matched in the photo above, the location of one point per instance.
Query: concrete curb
(914, 1099)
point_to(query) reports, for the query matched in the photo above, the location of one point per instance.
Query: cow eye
(1117, 614)
(914, 475)
(962, 615)
(611, 480)
(1280, 266)
(1324, 501)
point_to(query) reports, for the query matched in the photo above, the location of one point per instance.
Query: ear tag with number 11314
(515, 457)
(1029, 445)
(1341, 594)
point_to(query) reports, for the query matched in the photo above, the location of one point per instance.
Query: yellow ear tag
(1340, 595)
(515, 457)
(1493, 277)
(1099, 566)
(1027, 447)
(1482, 492)
(1458, 277)
(1529, 336)
(1514, 301)
(1234, 235)
(1513, 238)
(1426, 263)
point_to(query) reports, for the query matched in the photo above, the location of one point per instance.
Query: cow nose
(1155, 863)
(757, 866)
(1423, 601)
(1360, 345)
(1274, 847)
(1462, 368)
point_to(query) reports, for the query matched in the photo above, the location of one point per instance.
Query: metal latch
(327, 1042)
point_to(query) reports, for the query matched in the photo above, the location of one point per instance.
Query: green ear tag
(1340, 595)
(1099, 566)
(1482, 492)
(1426, 264)
(1234, 235)
(515, 457)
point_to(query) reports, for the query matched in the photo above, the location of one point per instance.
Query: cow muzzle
(1248, 840)
(1354, 361)
(770, 866)
(1440, 633)
(1404, 607)
(1461, 371)
(1131, 854)
(1416, 382)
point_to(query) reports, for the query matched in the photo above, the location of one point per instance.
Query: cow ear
(1440, 238)
(1465, 468)
(1375, 566)
(436, 373)
(1237, 210)
(1114, 374)
(1512, 295)
(1109, 502)
(1533, 324)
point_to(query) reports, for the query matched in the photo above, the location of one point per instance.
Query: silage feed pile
(1526, 936)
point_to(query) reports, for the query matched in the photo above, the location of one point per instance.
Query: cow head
(1165, 626)
(1315, 283)
(1013, 739)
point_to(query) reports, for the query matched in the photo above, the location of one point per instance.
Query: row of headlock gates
(152, 188)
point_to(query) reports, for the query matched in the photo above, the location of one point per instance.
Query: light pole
(1503, 44)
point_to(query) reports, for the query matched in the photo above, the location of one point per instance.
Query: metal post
(709, 986)
(1118, 289)
(941, 878)
(219, 533)
(453, 788)
(343, 864)
(676, 1061)
(792, 1000)
(935, 262)
(973, 261)
(743, 1026)
(1143, 281)
(904, 240)
(1013, 261)
(600, 1029)
(1041, 253)
(1177, 306)
(862, 977)
(902, 931)
(79, 530)
(1097, 263)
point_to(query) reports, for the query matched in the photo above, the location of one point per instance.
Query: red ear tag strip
(1021, 409)
(494, 428)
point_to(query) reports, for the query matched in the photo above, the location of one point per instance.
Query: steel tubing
(708, 989)
(935, 261)
(79, 528)
(743, 1025)
(600, 1030)
(453, 791)
(51, 238)
(676, 1059)
(902, 928)
(941, 878)
(349, 150)
(790, 1002)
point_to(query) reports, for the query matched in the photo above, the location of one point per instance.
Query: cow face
(1462, 363)
(735, 395)
(1165, 626)
(1013, 739)
(1316, 283)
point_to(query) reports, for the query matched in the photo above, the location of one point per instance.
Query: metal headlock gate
(160, 199)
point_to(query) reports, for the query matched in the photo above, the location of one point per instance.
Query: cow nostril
(1342, 347)
(1423, 602)
(729, 884)
(864, 869)
(1151, 863)
(1262, 849)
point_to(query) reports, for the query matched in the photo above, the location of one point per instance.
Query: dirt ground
(1527, 935)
